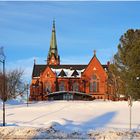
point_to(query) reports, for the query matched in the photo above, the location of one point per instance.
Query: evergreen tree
(127, 62)
(115, 80)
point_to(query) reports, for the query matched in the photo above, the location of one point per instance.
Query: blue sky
(81, 27)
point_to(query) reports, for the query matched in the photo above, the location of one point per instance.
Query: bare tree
(14, 84)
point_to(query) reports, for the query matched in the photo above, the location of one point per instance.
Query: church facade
(56, 81)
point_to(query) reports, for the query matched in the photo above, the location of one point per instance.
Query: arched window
(48, 87)
(62, 86)
(94, 77)
(75, 86)
(94, 84)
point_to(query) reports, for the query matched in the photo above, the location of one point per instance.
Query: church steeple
(53, 57)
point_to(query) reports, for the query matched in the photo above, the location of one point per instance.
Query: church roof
(37, 69)
(75, 73)
(62, 73)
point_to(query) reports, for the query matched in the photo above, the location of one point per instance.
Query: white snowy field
(71, 119)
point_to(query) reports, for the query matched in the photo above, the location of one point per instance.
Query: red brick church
(56, 81)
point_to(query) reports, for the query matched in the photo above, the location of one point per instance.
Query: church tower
(53, 57)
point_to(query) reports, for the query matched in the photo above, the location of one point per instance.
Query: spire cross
(54, 24)
(94, 52)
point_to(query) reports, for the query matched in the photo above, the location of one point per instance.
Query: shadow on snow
(97, 122)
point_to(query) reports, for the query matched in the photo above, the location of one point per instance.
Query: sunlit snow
(72, 116)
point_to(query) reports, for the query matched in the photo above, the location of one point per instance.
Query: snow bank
(70, 119)
(52, 133)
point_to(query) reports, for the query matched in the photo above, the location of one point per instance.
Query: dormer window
(75, 73)
(62, 73)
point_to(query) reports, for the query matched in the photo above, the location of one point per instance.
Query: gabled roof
(75, 73)
(71, 67)
(37, 69)
(105, 67)
(62, 73)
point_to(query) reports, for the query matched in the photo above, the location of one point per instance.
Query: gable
(37, 69)
(48, 73)
(62, 73)
(94, 67)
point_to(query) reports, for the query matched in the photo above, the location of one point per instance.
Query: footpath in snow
(71, 119)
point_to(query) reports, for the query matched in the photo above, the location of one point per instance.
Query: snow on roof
(121, 95)
(70, 92)
(68, 72)
(36, 77)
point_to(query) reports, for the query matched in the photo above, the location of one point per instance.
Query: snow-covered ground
(71, 119)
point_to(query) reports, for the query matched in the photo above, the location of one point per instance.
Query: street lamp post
(2, 60)
(130, 112)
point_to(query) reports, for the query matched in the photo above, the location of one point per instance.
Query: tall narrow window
(62, 86)
(48, 87)
(94, 77)
(94, 84)
(91, 86)
(75, 86)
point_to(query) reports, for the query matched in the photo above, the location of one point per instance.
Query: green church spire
(53, 45)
